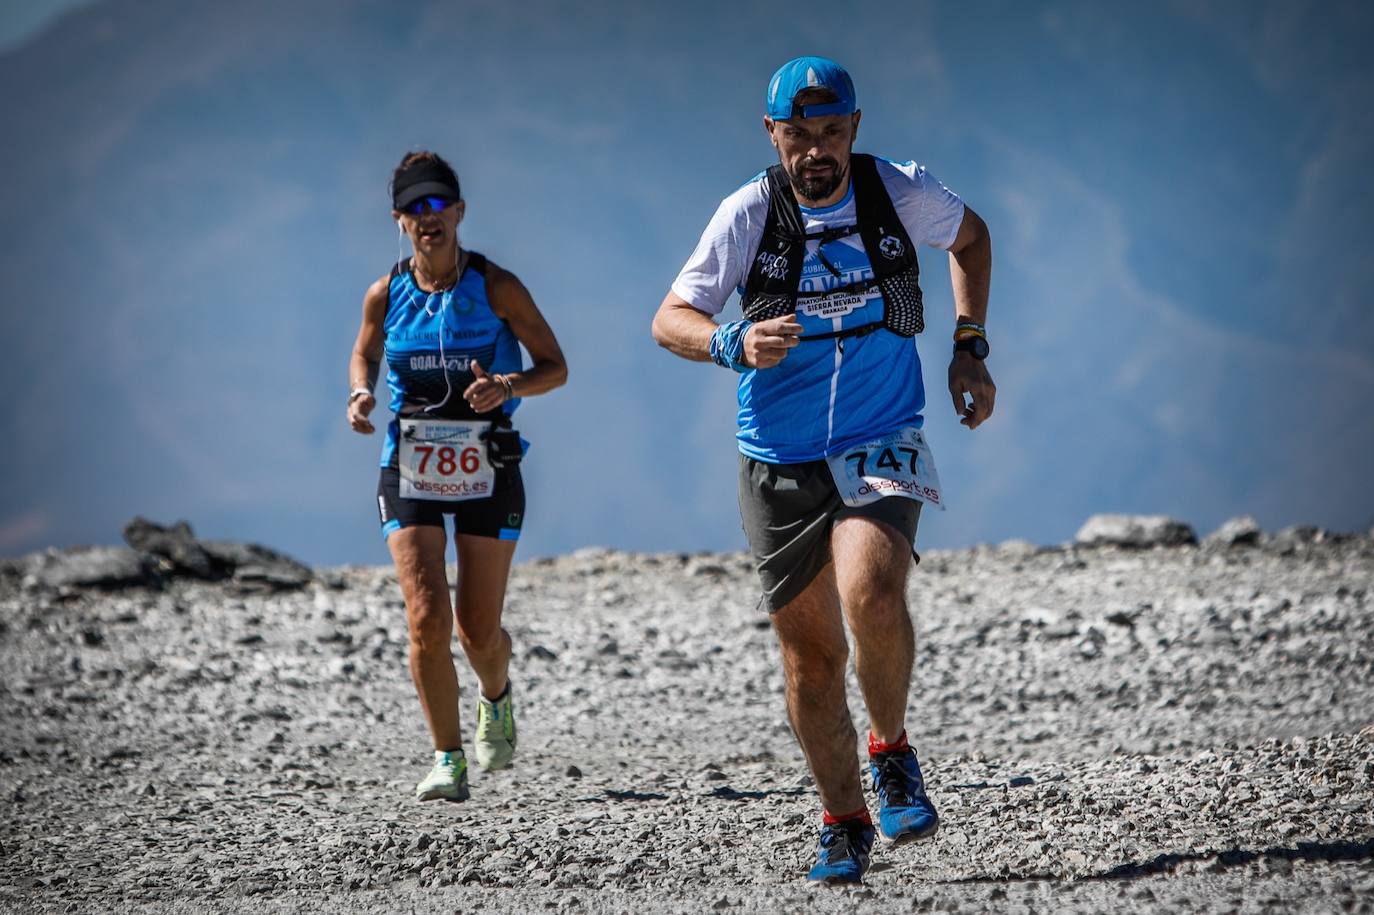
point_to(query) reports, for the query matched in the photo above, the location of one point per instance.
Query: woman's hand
(364, 361)
(358, 408)
(488, 392)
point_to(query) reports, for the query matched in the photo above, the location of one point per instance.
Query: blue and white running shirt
(827, 394)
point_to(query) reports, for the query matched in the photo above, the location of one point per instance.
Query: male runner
(832, 461)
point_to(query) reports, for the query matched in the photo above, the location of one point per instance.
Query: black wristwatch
(977, 347)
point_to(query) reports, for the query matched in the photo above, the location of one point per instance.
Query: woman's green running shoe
(448, 780)
(495, 743)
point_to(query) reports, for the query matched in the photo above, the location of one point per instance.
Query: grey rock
(1125, 616)
(1298, 534)
(1061, 630)
(1136, 531)
(92, 567)
(1039, 616)
(1091, 645)
(335, 581)
(1017, 548)
(253, 579)
(1242, 530)
(703, 567)
(253, 563)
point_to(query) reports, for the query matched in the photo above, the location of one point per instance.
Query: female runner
(450, 324)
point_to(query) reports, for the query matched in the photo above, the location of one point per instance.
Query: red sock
(876, 746)
(829, 819)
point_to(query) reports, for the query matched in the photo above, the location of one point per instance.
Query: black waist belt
(861, 331)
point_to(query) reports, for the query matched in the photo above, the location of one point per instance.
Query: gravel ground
(1175, 728)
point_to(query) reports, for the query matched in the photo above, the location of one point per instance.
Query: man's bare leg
(872, 560)
(871, 565)
(814, 658)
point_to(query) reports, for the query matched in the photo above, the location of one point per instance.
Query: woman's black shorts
(500, 515)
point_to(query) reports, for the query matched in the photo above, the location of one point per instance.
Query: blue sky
(1179, 198)
(21, 20)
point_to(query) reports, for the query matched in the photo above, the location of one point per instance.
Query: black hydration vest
(771, 289)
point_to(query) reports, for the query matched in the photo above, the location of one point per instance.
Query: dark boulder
(251, 567)
(258, 568)
(177, 546)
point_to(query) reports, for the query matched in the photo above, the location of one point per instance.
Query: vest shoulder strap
(782, 203)
(884, 236)
(770, 290)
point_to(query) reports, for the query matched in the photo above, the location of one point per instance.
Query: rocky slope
(1102, 726)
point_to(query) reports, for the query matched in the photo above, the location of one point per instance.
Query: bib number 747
(897, 464)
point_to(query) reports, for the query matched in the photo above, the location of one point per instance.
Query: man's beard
(821, 187)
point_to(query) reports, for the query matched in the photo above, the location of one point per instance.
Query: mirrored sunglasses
(428, 205)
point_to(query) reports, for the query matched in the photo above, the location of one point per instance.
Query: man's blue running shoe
(904, 812)
(843, 853)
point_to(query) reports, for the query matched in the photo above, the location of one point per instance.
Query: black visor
(423, 179)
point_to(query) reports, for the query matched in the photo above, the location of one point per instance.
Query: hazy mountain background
(194, 199)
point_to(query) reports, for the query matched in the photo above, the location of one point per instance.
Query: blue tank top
(432, 339)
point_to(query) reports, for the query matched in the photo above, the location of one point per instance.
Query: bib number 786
(444, 460)
(447, 460)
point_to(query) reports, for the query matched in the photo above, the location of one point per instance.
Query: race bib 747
(897, 464)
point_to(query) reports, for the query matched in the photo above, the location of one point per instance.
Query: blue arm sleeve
(727, 345)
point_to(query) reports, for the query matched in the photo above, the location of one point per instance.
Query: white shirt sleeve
(931, 212)
(717, 266)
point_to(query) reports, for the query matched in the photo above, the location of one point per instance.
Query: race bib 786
(445, 460)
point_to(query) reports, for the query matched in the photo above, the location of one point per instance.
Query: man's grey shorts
(788, 510)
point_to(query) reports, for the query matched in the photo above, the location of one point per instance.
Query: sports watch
(977, 347)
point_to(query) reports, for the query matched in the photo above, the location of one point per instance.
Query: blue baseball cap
(809, 73)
